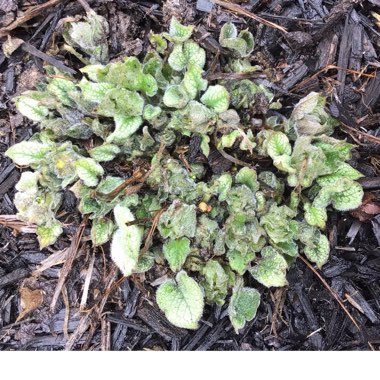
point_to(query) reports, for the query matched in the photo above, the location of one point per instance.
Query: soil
(71, 296)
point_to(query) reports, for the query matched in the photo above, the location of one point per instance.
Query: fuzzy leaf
(88, 170)
(176, 252)
(126, 241)
(182, 301)
(47, 234)
(175, 97)
(315, 216)
(215, 283)
(94, 92)
(350, 198)
(62, 88)
(318, 253)
(90, 36)
(124, 128)
(344, 171)
(217, 98)
(242, 44)
(33, 109)
(278, 144)
(101, 231)
(248, 177)
(193, 81)
(27, 152)
(243, 305)
(177, 32)
(28, 182)
(187, 54)
(178, 221)
(158, 42)
(271, 269)
(105, 152)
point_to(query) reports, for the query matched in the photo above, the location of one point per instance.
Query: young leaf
(243, 305)
(178, 221)
(101, 231)
(124, 128)
(90, 36)
(177, 32)
(175, 97)
(176, 252)
(217, 98)
(182, 301)
(248, 177)
(27, 152)
(105, 152)
(318, 253)
(88, 170)
(350, 198)
(31, 108)
(47, 234)
(315, 216)
(271, 269)
(215, 283)
(126, 241)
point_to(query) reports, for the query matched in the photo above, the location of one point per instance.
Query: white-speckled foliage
(213, 230)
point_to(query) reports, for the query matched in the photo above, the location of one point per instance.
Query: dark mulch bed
(333, 47)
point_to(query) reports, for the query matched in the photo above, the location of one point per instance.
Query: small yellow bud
(204, 207)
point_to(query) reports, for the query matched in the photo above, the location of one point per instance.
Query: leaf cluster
(214, 231)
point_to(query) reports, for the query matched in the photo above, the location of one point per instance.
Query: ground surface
(77, 299)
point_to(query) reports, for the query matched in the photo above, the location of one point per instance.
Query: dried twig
(12, 221)
(238, 9)
(28, 15)
(72, 253)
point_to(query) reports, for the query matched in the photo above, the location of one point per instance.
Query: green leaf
(178, 221)
(27, 153)
(248, 177)
(215, 282)
(126, 241)
(158, 42)
(28, 182)
(105, 152)
(94, 92)
(350, 198)
(319, 252)
(243, 305)
(271, 269)
(226, 141)
(343, 171)
(33, 109)
(217, 98)
(315, 216)
(177, 32)
(151, 112)
(175, 97)
(125, 127)
(90, 36)
(176, 252)
(88, 170)
(101, 231)
(47, 234)
(242, 44)
(187, 54)
(278, 144)
(193, 81)
(62, 88)
(182, 301)
(309, 117)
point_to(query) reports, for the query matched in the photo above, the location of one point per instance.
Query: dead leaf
(30, 301)
(11, 45)
(367, 210)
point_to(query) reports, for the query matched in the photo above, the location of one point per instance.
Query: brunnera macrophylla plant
(214, 231)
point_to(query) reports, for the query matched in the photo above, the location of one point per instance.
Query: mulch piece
(329, 46)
